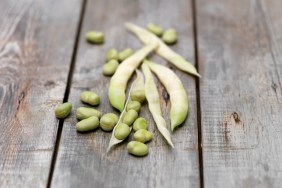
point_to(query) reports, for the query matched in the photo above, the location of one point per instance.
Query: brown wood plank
(36, 44)
(240, 92)
(82, 159)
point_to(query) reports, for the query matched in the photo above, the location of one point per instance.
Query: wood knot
(236, 117)
(49, 84)
(274, 86)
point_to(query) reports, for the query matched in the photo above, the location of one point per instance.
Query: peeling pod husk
(153, 99)
(177, 94)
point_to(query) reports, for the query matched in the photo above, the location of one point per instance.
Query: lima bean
(95, 37)
(140, 123)
(122, 131)
(157, 30)
(110, 67)
(143, 136)
(88, 124)
(85, 112)
(63, 110)
(125, 54)
(138, 95)
(137, 148)
(108, 121)
(129, 117)
(112, 54)
(133, 105)
(90, 97)
(169, 36)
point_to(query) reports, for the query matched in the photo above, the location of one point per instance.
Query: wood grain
(36, 44)
(240, 92)
(82, 159)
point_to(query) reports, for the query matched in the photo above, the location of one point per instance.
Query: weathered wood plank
(36, 44)
(82, 159)
(239, 51)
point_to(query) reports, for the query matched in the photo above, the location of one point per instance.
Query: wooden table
(232, 137)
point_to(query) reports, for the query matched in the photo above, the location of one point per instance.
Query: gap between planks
(66, 94)
(195, 31)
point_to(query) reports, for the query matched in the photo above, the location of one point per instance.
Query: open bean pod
(163, 50)
(123, 73)
(177, 94)
(135, 83)
(153, 99)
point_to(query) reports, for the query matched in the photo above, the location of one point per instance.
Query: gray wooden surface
(35, 54)
(240, 92)
(231, 137)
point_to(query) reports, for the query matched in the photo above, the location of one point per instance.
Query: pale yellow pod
(163, 50)
(123, 73)
(177, 94)
(153, 99)
(135, 83)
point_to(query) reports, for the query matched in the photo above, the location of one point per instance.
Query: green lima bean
(108, 121)
(110, 67)
(63, 110)
(86, 112)
(95, 37)
(90, 97)
(138, 92)
(122, 131)
(157, 30)
(88, 124)
(142, 135)
(111, 54)
(169, 36)
(133, 105)
(140, 123)
(137, 148)
(124, 54)
(129, 117)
